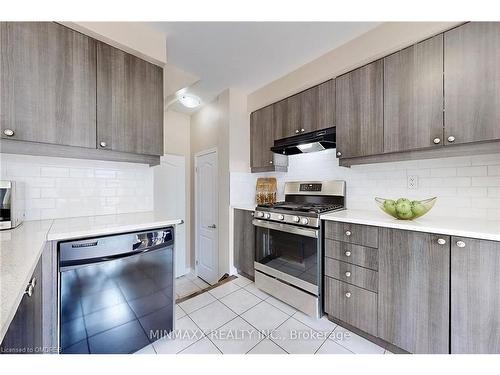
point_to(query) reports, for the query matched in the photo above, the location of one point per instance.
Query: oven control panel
(310, 187)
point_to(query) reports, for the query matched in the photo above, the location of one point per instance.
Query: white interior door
(170, 199)
(207, 250)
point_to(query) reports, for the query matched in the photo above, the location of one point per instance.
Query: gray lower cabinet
(24, 335)
(47, 84)
(475, 296)
(129, 103)
(414, 290)
(244, 242)
(472, 82)
(359, 111)
(413, 97)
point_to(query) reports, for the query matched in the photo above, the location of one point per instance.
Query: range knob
(281, 217)
(296, 219)
(267, 215)
(304, 221)
(260, 214)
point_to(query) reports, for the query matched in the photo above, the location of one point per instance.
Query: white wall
(467, 187)
(60, 187)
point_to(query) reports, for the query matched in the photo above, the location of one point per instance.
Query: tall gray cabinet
(475, 296)
(414, 290)
(472, 82)
(244, 242)
(48, 85)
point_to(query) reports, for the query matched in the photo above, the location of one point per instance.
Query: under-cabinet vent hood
(318, 140)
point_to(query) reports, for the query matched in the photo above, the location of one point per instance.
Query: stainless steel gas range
(288, 259)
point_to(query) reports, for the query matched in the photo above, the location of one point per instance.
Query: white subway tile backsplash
(60, 187)
(467, 187)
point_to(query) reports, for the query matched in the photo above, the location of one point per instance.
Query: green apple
(390, 207)
(418, 208)
(403, 209)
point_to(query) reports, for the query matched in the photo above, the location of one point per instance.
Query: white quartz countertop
(472, 228)
(20, 248)
(244, 206)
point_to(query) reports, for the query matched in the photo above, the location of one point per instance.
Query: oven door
(289, 253)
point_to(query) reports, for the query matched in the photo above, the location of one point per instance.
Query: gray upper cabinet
(414, 290)
(301, 113)
(472, 82)
(129, 103)
(48, 84)
(326, 105)
(359, 111)
(413, 97)
(262, 133)
(475, 296)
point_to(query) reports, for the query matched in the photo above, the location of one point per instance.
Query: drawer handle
(31, 287)
(461, 244)
(441, 241)
(348, 233)
(348, 295)
(9, 132)
(347, 253)
(347, 274)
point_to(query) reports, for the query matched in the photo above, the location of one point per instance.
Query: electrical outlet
(413, 182)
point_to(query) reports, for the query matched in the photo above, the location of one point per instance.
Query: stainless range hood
(318, 140)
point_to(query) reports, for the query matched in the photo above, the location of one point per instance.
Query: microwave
(11, 204)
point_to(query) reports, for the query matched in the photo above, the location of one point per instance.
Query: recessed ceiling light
(189, 100)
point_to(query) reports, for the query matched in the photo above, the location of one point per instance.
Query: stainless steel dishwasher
(116, 293)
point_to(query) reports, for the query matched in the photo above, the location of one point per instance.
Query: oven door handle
(286, 228)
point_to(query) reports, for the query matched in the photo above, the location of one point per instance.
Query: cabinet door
(475, 296)
(414, 282)
(472, 82)
(413, 97)
(359, 111)
(293, 116)
(24, 335)
(244, 242)
(326, 105)
(129, 103)
(262, 138)
(280, 119)
(309, 105)
(48, 85)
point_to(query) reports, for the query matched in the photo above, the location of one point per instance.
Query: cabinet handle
(441, 241)
(347, 253)
(296, 131)
(348, 233)
(436, 141)
(339, 153)
(451, 139)
(347, 274)
(348, 295)
(103, 144)
(9, 132)
(302, 130)
(461, 244)
(270, 162)
(31, 287)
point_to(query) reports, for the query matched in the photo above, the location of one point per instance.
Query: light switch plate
(412, 182)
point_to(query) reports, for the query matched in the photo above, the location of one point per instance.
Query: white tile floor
(237, 318)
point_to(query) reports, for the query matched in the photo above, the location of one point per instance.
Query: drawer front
(354, 254)
(353, 305)
(358, 276)
(352, 233)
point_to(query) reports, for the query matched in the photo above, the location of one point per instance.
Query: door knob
(9, 132)
(213, 226)
(460, 243)
(441, 241)
(451, 139)
(436, 141)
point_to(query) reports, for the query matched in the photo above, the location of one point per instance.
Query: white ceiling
(248, 55)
